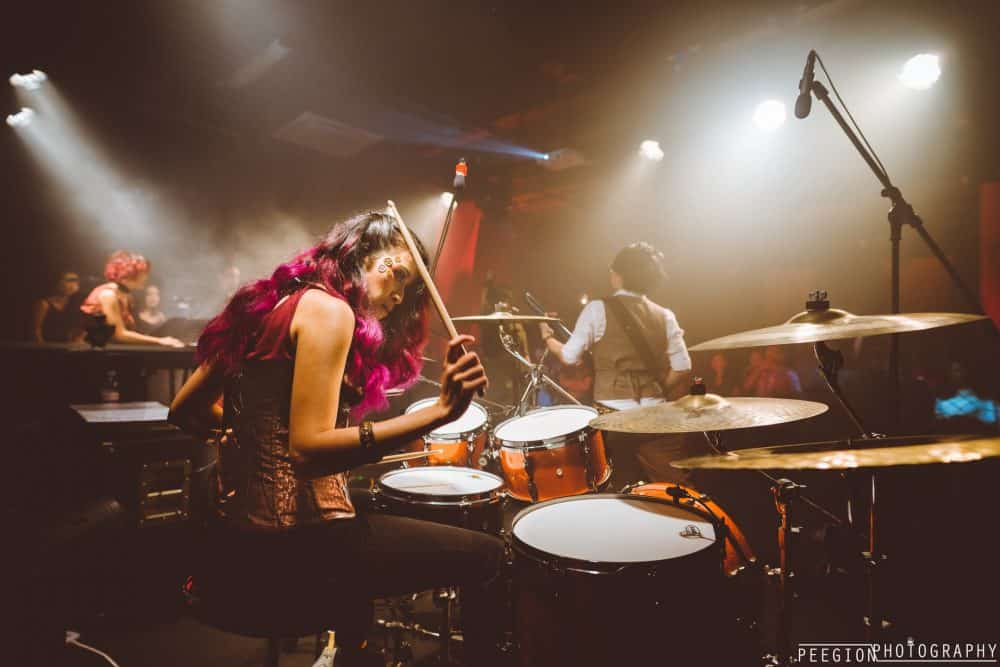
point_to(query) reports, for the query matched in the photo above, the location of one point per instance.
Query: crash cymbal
(502, 317)
(848, 454)
(707, 412)
(813, 326)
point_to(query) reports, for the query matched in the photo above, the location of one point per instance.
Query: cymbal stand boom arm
(537, 376)
(830, 362)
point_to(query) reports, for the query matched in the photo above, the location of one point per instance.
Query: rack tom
(462, 442)
(551, 453)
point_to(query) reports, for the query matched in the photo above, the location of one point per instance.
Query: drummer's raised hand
(462, 377)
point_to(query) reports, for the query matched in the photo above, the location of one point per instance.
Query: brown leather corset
(262, 483)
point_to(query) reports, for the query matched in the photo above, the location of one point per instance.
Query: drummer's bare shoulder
(324, 312)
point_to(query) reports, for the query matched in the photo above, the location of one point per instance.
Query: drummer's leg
(399, 555)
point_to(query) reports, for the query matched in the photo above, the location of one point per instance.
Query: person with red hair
(299, 359)
(125, 271)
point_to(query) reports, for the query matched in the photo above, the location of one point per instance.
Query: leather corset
(262, 483)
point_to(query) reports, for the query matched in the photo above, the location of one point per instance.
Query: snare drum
(552, 452)
(461, 441)
(612, 579)
(460, 497)
(737, 549)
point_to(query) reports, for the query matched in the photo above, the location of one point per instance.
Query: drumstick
(426, 276)
(405, 456)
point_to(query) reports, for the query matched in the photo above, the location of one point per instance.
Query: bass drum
(737, 550)
(614, 579)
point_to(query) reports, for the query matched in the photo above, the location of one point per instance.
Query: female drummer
(299, 358)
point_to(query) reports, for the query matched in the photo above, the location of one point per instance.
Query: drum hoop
(459, 436)
(450, 500)
(554, 442)
(584, 566)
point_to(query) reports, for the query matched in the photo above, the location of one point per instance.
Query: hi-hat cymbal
(503, 317)
(707, 412)
(813, 326)
(849, 454)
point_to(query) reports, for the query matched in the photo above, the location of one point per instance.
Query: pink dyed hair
(123, 265)
(383, 354)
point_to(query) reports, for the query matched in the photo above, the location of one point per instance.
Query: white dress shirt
(590, 328)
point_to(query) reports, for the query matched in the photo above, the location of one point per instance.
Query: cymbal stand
(479, 399)
(537, 376)
(830, 363)
(785, 492)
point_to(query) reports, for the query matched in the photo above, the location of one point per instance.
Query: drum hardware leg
(785, 492)
(875, 621)
(529, 469)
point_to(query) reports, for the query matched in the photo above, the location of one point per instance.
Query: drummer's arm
(322, 330)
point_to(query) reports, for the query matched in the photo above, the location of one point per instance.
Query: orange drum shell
(453, 452)
(732, 559)
(558, 471)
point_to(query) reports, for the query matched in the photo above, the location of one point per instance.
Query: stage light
(32, 81)
(545, 156)
(20, 119)
(584, 299)
(446, 199)
(920, 72)
(651, 150)
(770, 115)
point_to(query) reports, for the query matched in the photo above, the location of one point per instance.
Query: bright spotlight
(446, 199)
(770, 115)
(20, 119)
(32, 81)
(920, 72)
(651, 150)
(584, 299)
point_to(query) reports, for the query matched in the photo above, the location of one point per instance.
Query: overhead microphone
(803, 104)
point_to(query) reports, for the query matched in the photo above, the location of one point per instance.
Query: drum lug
(470, 446)
(591, 476)
(529, 469)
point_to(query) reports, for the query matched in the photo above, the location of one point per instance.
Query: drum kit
(609, 578)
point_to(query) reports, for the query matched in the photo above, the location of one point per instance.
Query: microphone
(537, 307)
(803, 104)
(461, 171)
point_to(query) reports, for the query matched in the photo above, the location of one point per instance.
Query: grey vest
(619, 372)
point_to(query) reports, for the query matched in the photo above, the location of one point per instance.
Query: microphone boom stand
(900, 213)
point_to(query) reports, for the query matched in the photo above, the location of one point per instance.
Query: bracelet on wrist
(367, 436)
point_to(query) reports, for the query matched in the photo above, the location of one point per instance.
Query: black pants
(346, 563)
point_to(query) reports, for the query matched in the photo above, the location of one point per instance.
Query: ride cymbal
(849, 454)
(814, 326)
